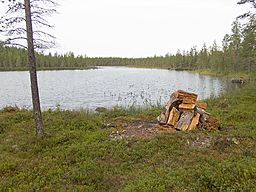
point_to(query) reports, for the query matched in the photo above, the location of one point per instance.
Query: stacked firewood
(183, 112)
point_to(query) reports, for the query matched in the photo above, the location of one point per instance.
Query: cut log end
(173, 117)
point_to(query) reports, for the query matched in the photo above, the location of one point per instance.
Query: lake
(106, 87)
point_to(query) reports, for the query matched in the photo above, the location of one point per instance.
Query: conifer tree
(249, 13)
(18, 26)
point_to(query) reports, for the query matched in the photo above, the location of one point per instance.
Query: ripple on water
(106, 87)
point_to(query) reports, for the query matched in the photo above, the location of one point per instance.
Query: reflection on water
(106, 87)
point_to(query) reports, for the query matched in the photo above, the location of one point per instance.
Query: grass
(76, 153)
(245, 75)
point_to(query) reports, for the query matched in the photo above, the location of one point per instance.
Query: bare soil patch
(139, 128)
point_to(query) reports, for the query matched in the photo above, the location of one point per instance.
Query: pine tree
(249, 13)
(26, 13)
(235, 43)
(249, 44)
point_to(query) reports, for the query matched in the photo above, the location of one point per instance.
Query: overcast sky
(139, 28)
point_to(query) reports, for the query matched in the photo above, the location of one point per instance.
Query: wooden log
(175, 100)
(203, 115)
(185, 120)
(186, 106)
(161, 118)
(186, 97)
(203, 118)
(194, 122)
(164, 116)
(173, 117)
(201, 105)
(201, 111)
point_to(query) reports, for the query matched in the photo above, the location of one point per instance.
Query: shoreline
(50, 69)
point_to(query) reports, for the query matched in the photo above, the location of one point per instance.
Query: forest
(237, 53)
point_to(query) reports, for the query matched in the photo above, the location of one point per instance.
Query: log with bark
(183, 112)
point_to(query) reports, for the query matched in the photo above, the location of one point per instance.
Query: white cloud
(136, 28)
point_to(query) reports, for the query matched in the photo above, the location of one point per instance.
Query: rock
(239, 81)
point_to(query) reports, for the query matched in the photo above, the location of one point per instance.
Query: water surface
(105, 87)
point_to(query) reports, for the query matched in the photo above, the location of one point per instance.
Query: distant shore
(49, 68)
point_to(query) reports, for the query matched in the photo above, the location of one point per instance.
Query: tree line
(237, 53)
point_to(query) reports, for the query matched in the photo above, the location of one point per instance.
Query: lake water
(105, 87)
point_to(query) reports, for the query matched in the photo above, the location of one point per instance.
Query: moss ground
(76, 153)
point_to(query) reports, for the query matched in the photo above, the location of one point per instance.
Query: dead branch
(14, 44)
(42, 33)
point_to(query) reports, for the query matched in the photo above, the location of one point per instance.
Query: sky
(140, 28)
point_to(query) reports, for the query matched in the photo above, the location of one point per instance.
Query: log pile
(183, 112)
